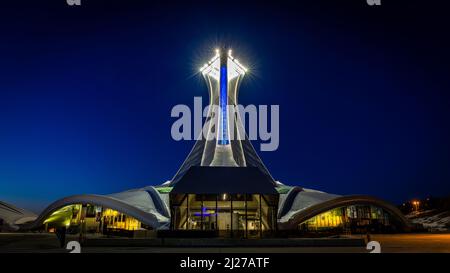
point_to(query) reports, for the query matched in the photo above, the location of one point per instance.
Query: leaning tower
(223, 142)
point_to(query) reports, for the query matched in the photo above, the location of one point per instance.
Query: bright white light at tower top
(212, 67)
(235, 68)
(241, 67)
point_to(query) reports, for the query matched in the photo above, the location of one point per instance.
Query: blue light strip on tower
(223, 140)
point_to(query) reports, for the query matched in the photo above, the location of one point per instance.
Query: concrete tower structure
(225, 143)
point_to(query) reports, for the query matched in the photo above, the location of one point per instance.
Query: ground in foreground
(392, 243)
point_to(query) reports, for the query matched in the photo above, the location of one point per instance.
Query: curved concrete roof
(298, 199)
(146, 199)
(152, 208)
(13, 216)
(321, 202)
(145, 205)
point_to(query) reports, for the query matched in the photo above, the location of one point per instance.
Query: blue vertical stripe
(223, 139)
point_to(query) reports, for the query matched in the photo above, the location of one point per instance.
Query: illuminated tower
(225, 143)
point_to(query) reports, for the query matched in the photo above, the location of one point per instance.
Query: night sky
(86, 92)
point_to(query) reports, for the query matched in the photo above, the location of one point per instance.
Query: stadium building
(222, 189)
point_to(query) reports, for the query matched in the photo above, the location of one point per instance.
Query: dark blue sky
(86, 92)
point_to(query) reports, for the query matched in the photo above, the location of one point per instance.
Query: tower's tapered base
(224, 157)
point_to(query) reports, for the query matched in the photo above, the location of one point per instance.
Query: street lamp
(416, 205)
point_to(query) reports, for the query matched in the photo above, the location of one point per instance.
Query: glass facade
(350, 219)
(116, 220)
(229, 215)
(224, 215)
(78, 218)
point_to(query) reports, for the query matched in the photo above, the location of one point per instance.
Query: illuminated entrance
(225, 202)
(230, 215)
